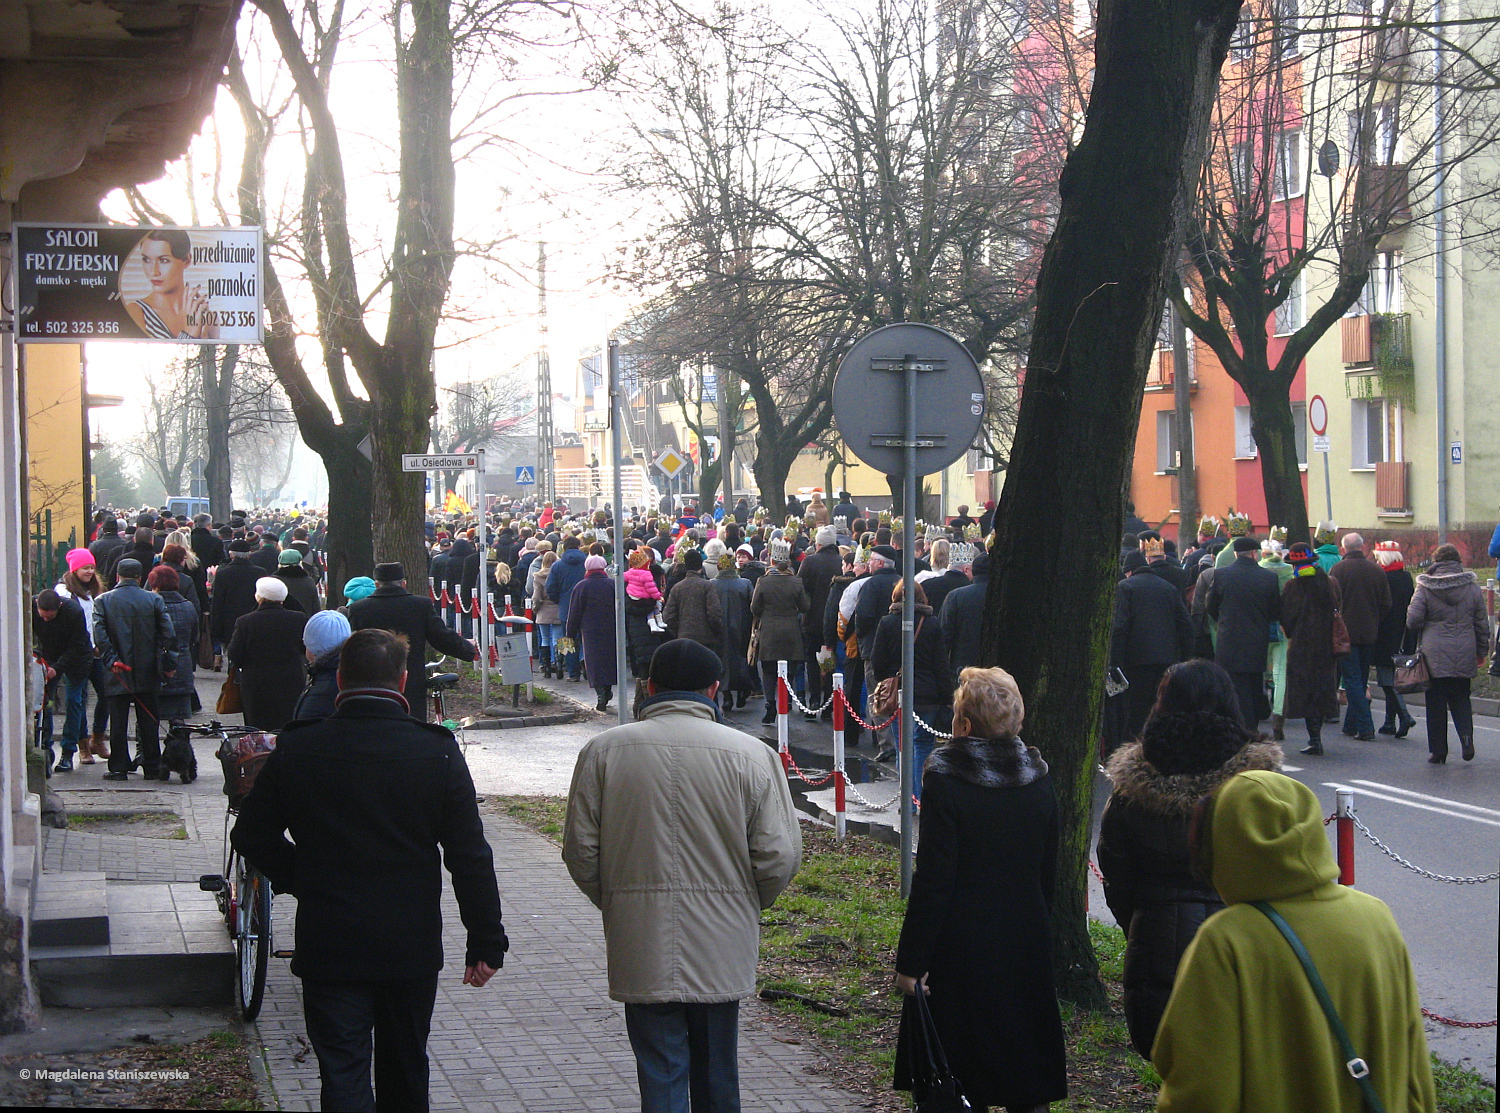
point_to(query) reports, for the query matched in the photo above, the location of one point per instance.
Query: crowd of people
(1212, 861)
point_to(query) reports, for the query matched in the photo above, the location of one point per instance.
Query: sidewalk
(543, 1036)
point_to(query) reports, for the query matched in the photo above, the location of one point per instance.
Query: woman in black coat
(934, 680)
(976, 936)
(1308, 604)
(178, 698)
(591, 625)
(1392, 638)
(1191, 744)
(268, 653)
(734, 613)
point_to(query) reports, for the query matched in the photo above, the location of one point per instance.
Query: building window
(1373, 135)
(1289, 313)
(1299, 424)
(1248, 175)
(1370, 433)
(1083, 16)
(1284, 32)
(1242, 44)
(1166, 440)
(1244, 439)
(1385, 291)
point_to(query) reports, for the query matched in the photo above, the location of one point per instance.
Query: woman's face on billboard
(162, 269)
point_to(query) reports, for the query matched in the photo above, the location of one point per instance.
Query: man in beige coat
(682, 831)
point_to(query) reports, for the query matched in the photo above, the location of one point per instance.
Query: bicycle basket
(241, 759)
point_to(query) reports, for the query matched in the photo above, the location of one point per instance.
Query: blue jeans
(1355, 670)
(70, 694)
(685, 1056)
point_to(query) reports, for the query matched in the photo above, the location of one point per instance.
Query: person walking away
(301, 590)
(142, 550)
(591, 625)
(1191, 744)
(192, 575)
(355, 589)
(1271, 558)
(933, 681)
(1447, 613)
(134, 638)
(1326, 538)
(734, 647)
(1392, 638)
(692, 609)
(375, 804)
(544, 610)
(267, 555)
(60, 641)
(942, 577)
(1243, 1031)
(561, 580)
(1364, 598)
(681, 831)
(267, 654)
(1309, 602)
(323, 637)
(178, 699)
(963, 614)
(976, 936)
(816, 572)
(1245, 600)
(81, 583)
(233, 593)
(777, 604)
(1151, 632)
(108, 545)
(391, 607)
(839, 633)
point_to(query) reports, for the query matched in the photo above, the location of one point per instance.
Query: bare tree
(491, 413)
(171, 434)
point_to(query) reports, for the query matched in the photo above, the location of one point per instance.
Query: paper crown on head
(1327, 533)
(841, 523)
(1278, 534)
(780, 550)
(862, 554)
(1239, 524)
(961, 555)
(1208, 525)
(1271, 546)
(934, 533)
(1153, 548)
(971, 532)
(883, 518)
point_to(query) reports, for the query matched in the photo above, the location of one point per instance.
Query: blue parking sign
(525, 474)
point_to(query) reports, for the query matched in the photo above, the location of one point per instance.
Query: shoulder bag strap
(1358, 1069)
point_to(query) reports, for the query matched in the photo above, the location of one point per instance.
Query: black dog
(177, 756)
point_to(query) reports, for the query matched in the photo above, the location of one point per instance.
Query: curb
(521, 721)
(880, 832)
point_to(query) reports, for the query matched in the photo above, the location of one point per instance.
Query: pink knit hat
(77, 558)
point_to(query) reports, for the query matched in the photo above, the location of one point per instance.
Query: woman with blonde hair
(545, 612)
(976, 938)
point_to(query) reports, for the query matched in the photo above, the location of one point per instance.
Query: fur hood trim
(1446, 576)
(1135, 779)
(988, 763)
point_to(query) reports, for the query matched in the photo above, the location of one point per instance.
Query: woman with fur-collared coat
(1192, 743)
(977, 934)
(778, 603)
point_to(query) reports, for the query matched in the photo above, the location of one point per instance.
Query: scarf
(988, 762)
(372, 693)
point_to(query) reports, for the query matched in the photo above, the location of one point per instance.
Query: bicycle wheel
(252, 939)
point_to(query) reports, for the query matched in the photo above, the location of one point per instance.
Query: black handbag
(936, 1091)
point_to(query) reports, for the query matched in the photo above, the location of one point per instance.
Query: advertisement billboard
(106, 282)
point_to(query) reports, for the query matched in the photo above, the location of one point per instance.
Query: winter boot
(1465, 743)
(101, 746)
(86, 749)
(604, 693)
(1389, 726)
(1278, 724)
(1314, 745)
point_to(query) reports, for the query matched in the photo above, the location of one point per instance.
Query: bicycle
(439, 684)
(243, 893)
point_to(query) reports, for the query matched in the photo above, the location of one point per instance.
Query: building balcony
(1391, 483)
(1160, 375)
(1356, 340)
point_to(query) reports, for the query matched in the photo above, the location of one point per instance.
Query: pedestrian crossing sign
(669, 461)
(525, 474)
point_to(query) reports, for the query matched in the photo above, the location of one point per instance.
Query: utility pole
(546, 478)
(726, 440)
(1187, 471)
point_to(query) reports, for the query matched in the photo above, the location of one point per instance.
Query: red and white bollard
(1343, 811)
(783, 709)
(838, 755)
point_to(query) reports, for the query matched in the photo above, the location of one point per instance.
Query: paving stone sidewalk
(543, 1036)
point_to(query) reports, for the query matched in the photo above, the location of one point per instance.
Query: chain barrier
(1450, 1022)
(1095, 871)
(1330, 819)
(1400, 861)
(854, 792)
(915, 718)
(803, 776)
(853, 714)
(802, 707)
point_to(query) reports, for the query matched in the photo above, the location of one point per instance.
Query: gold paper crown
(1153, 547)
(1239, 524)
(1278, 534)
(1208, 525)
(1328, 533)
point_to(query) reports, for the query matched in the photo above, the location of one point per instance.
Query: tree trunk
(770, 469)
(1100, 291)
(350, 552)
(1187, 467)
(217, 375)
(398, 424)
(708, 487)
(1275, 430)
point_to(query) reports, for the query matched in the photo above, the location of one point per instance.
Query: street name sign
(463, 461)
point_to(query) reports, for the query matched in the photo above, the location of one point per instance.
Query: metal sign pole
(486, 635)
(908, 614)
(622, 705)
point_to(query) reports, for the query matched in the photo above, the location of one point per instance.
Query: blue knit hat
(325, 632)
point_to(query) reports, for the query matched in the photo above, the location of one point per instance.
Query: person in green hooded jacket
(1243, 1031)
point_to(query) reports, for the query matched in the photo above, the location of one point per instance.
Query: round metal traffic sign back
(1317, 415)
(869, 397)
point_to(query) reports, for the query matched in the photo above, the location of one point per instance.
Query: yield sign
(669, 462)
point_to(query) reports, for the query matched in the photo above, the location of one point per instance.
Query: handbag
(229, 695)
(939, 1090)
(752, 654)
(1358, 1069)
(1412, 673)
(1341, 644)
(205, 648)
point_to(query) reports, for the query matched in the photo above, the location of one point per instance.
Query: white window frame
(1299, 426)
(1390, 432)
(1290, 315)
(1083, 16)
(1167, 453)
(1244, 439)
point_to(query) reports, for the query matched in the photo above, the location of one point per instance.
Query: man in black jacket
(962, 615)
(234, 593)
(367, 876)
(394, 608)
(135, 640)
(875, 597)
(266, 557)
(1152, 630)
(108, 545)
(1245, 601)
(205, 542)
(61, 640)
(817, 572)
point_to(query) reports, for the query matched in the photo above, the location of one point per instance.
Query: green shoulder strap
(1358, 1069)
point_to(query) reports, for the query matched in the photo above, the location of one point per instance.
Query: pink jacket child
(640, 584)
